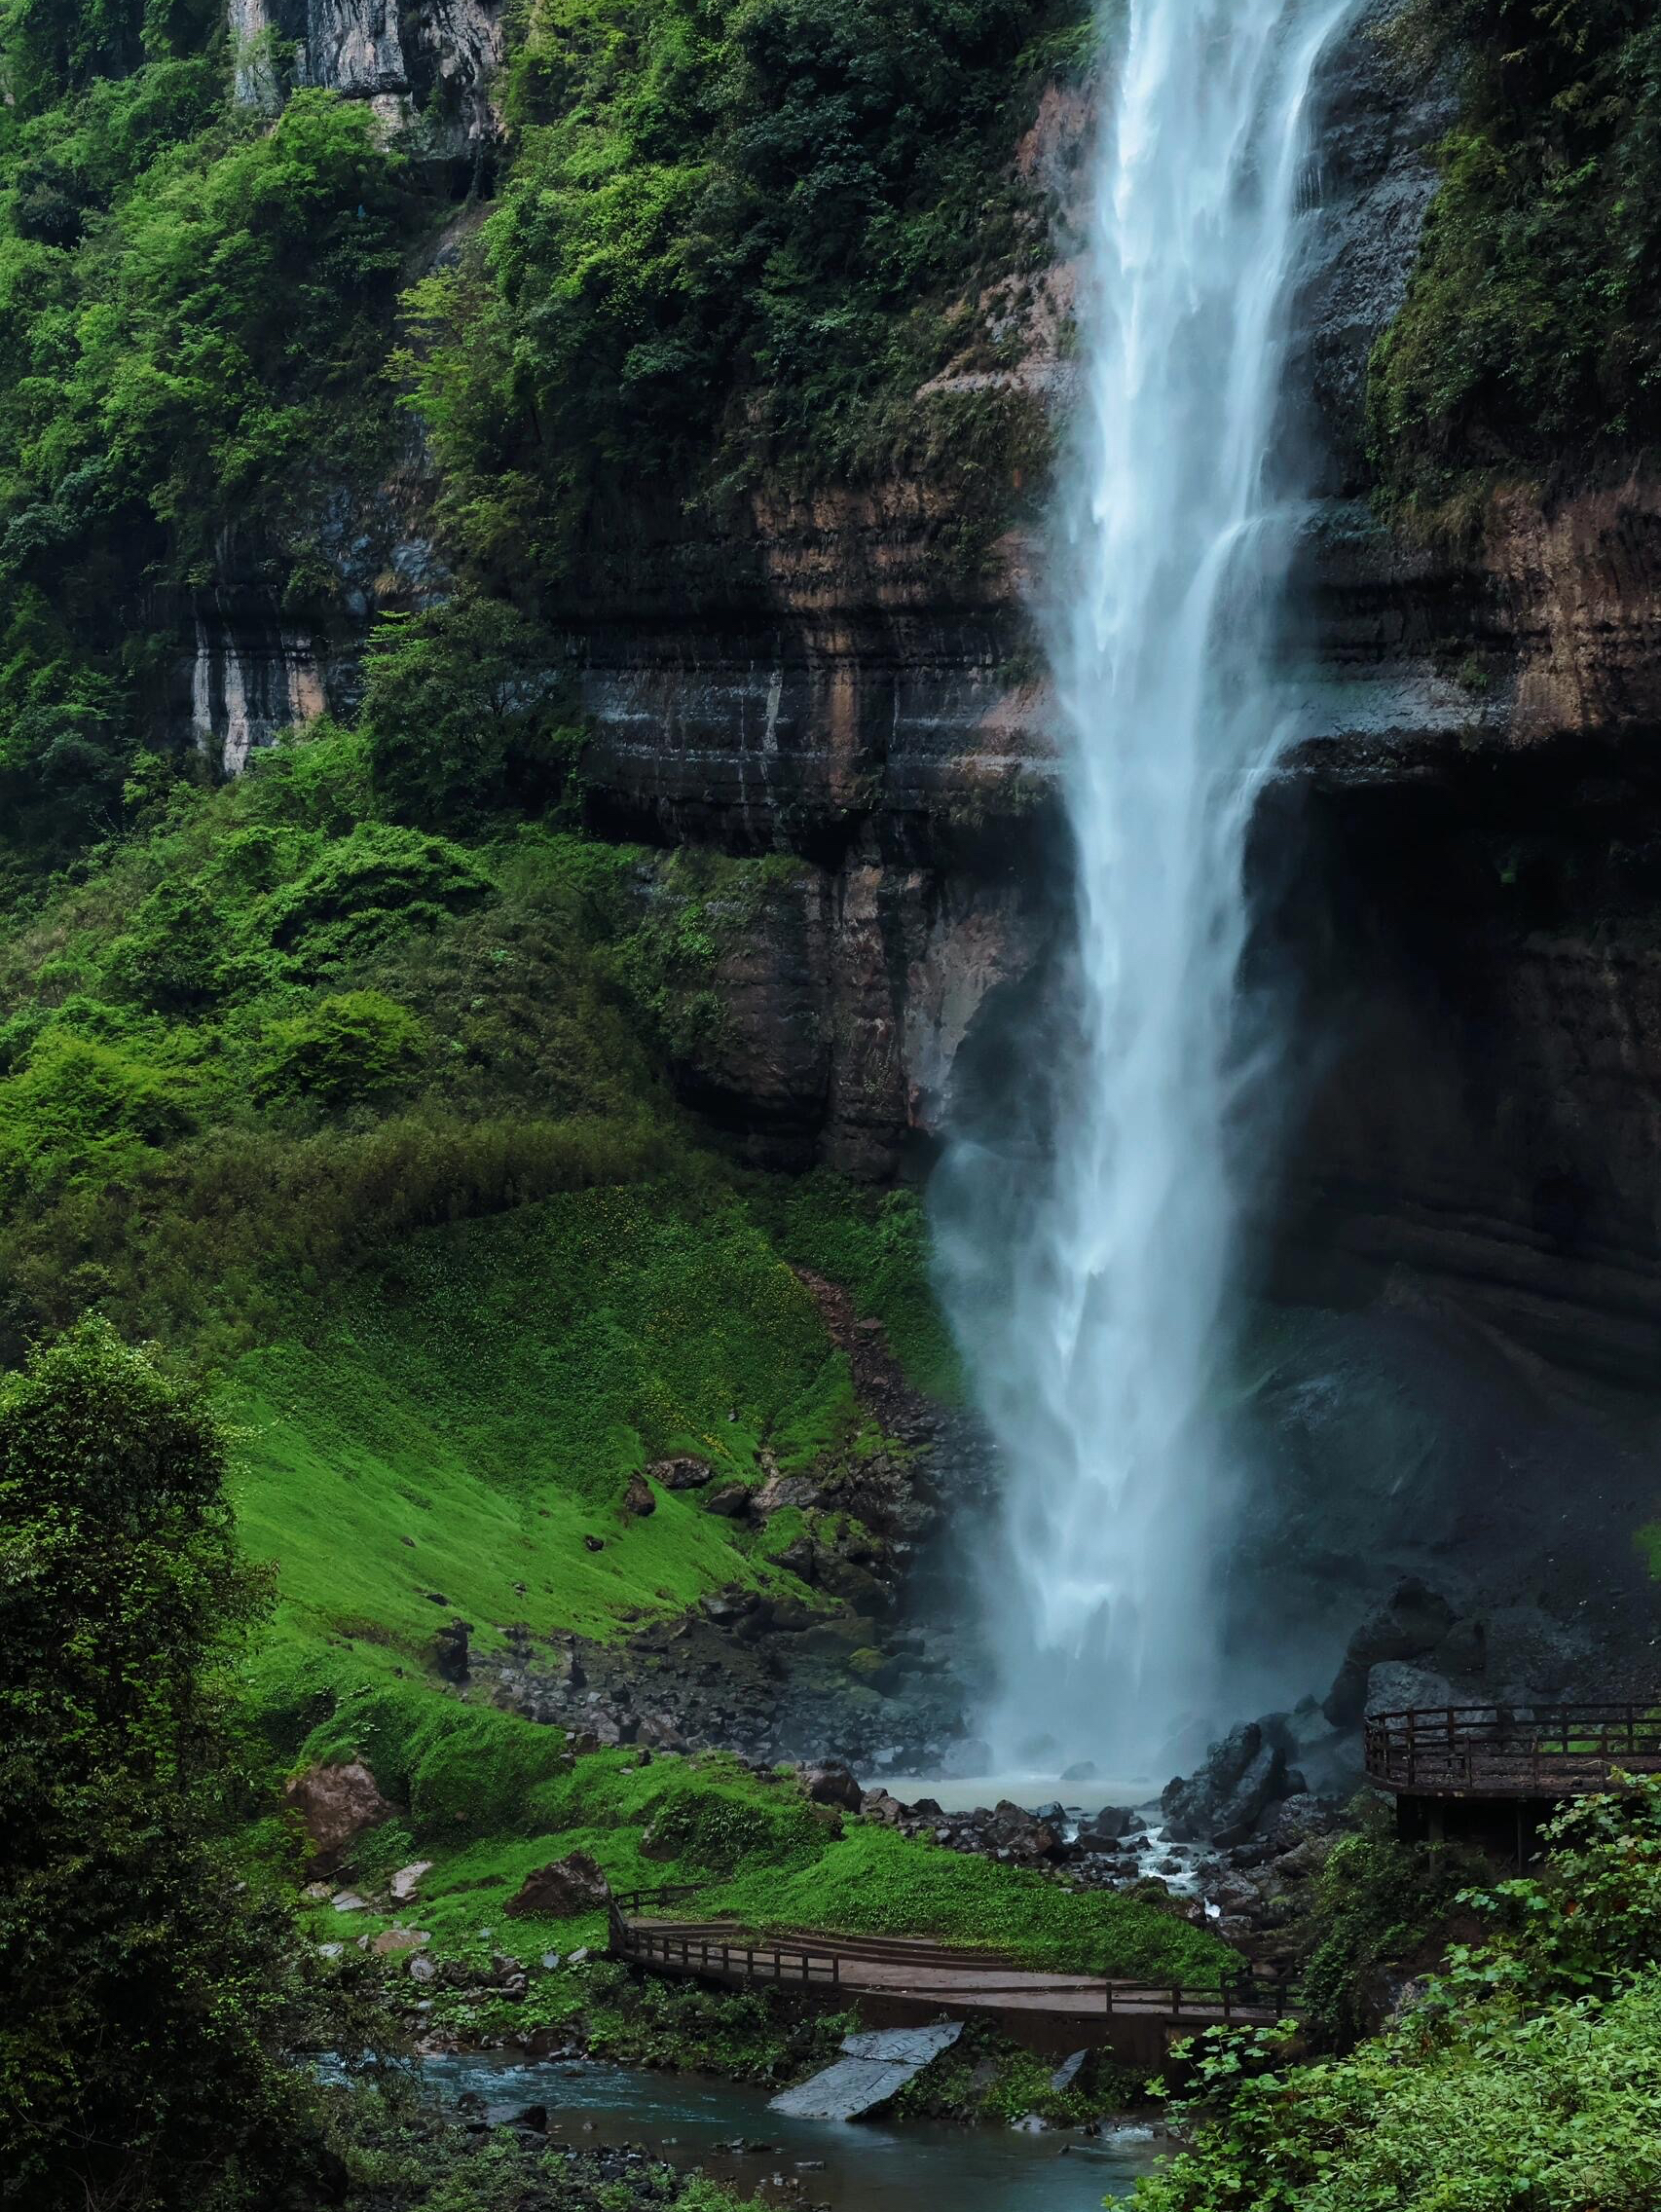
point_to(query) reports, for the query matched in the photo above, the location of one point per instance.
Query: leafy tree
(463, 714)
(152, 1996)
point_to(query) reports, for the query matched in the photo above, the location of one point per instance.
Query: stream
(850, 2166)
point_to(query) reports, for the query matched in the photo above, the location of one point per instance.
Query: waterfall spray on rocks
(1089, 1263)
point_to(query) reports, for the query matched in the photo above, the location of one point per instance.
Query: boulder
(831, 1784)
(1224, 1801)
(1111, 1825)
(640, 1500)
(423, 1968)
(658, 1731)
(391, 1942)
(731, 1501)
(1295, 1819)
(727, 1608)
(1070, 2067)
(407, 1880)
(1020, 1836)
(1085, 1771)
(682, 1473)
(451, 1654)
(1411, 1623)
(563, 1889)
(338, 1804)
(800, 1557)
(1394, 1686)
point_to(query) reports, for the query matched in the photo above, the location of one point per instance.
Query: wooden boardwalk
(1554, 1752)
(915, 1978)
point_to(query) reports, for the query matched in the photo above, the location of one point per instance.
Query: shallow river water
(854, 2166)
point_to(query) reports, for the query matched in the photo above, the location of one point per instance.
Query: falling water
(1090, 1274)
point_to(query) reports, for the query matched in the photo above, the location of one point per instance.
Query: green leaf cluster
(195, 310)
(1524, 2078)
(1530, 340)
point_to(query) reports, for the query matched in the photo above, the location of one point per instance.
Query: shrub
(172, 958)
(361, 890)
(78, 1106)
(1526, 2080)
(344, 1051)
(463, 714)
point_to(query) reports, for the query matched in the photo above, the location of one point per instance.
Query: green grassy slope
(373, 1128)
(468, 1415)
(752, 1847)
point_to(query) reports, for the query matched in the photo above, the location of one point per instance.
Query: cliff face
(427, 67)
(849, 677)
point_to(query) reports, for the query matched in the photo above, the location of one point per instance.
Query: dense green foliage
(726, 229)
(1379, 1903)
(758, 222)
(255, 1041)
(193, 315)
(1530, 343)
(154, 1993)
(461, 717)
(1524, 2078)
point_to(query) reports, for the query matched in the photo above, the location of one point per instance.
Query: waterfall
(1089, 1263)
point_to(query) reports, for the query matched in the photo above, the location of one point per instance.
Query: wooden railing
(1550, 1752)
(1252, 1989)
(721, 1957)
(1247, 1992)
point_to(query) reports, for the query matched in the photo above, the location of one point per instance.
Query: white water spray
(1090, 1279)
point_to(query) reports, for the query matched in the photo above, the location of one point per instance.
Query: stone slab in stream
(872, 2068)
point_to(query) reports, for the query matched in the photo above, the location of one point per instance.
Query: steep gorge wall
(849, 677)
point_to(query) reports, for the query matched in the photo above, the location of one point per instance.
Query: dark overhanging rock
(1409, 1624)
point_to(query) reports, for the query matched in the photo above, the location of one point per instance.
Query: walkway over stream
(903, 1979)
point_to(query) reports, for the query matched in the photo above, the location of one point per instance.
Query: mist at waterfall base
(1103, 1146)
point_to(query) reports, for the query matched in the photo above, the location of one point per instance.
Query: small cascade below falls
(1088, 1226)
